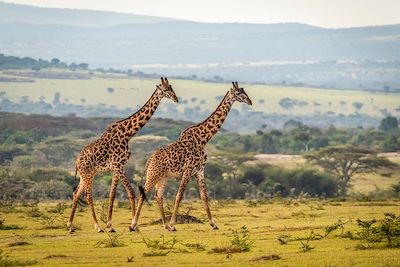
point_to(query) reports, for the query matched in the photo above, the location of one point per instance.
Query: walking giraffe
(186, 158)
(110, 153)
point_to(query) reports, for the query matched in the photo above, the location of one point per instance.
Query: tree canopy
(347, 161)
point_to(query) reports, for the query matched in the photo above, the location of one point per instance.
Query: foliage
(155, 253)
(4, 226)
(390, 229)
(240, 242)
(386, 234)
(11, 62)
(161, 243)
(337, 225)
(50, 219)
(268, 180)
(306, 246)
(112, 240)
(389, 123)
(241, 239)
(347, 161)
(37, 155)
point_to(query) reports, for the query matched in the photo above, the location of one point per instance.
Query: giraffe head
(166, 90)
(239, 94)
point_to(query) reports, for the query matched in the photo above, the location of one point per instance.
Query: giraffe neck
(212, 124)
(131, 125)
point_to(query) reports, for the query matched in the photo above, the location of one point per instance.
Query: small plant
(103, 211)
(3, 226)
(241, 238)
(390, 230)
(283, 239)
(59, 208)
(49, 220)
(155, 253)
(240, 242)
(337, 225)
(369, 232)
(111, 241)
(33, 212)
(161, 243)
(305, 245)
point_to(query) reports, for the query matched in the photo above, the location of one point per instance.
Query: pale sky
(323, 13)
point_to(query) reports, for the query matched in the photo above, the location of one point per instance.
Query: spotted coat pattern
(110, 153)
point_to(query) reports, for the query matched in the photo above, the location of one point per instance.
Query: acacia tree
(347, 161)
(305, 135)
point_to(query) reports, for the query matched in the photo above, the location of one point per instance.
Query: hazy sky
(324, 13)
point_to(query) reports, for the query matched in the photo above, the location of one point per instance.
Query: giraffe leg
(203, 195)
(89, 196)
(179, 195)
(150, 180)
(159, 198)
(131, 194)
(75, 199)
(113, 190)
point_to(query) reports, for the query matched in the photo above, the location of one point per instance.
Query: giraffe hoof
(132, 228)
(111, 230)
(214, 227)
(100, 231)
(172, 228)
(71, 230)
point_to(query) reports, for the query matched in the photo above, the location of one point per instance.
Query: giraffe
(186, 158)
(110, 153)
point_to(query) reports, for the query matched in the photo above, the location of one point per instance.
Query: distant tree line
(299, 138)
(12, 62)
(37, 154)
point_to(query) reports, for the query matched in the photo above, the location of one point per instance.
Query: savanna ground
(279, 229)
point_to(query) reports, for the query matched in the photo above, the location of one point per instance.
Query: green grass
(265, 222)
(130, 92)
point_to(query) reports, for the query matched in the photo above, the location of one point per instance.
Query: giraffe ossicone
(186, 158)
(110, 153)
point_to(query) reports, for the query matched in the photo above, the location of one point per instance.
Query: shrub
(240, 242)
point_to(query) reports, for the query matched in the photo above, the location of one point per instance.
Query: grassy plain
(132, 91)
(266, 221)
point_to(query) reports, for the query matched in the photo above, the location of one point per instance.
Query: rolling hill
(288, 53)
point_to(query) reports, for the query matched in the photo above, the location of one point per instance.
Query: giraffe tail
(143, 194)
(76, 173)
